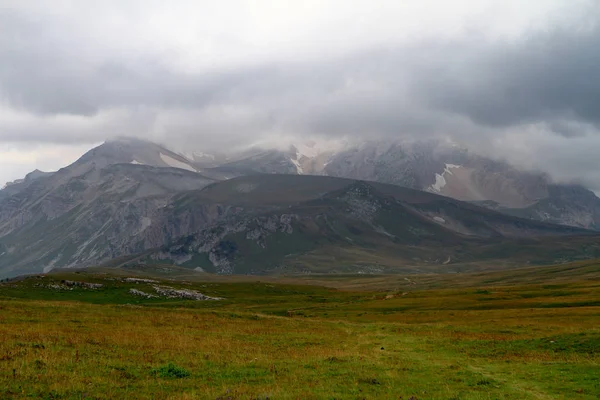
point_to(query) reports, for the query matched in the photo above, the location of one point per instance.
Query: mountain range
(437, 167)
(367, 208)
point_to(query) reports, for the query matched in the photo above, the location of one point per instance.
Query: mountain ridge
(356, 216)
(122, 199)
(442, 168)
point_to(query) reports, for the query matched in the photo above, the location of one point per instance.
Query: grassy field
(523, 334)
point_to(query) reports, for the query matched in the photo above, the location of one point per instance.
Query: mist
(514, 81)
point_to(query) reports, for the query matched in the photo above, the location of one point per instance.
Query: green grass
(525, 334)
(170, 371)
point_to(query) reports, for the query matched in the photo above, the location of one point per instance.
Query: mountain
(92, 209)
(456, 172)
(565, 204)
(438, 167)
(136, 200)
(277, 224)
(299, 159)
(259, 161)
(12, 188)
(135, 151)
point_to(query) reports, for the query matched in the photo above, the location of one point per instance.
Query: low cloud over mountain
(517, 81)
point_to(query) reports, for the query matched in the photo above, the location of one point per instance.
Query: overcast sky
(517, 79)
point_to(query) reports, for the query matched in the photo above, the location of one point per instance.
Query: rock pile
(139, 280)
(70, 285)
(84, 285)
(142, 294)
(187, 294)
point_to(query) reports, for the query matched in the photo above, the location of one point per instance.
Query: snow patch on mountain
(440, 179)
(170, 161)
(299, 168)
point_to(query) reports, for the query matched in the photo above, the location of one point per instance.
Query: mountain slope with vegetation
(322, 224)
(135, 199)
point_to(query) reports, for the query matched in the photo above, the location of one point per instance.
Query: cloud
(219, 75)
(548, 76)
(19, 159)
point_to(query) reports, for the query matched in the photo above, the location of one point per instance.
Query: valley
(529, 333)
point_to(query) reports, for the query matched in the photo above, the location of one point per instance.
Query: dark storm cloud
(547, 76)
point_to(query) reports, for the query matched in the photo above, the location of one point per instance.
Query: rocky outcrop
(185, 294)
(220, 251)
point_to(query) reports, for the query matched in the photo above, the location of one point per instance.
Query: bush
(170, 371)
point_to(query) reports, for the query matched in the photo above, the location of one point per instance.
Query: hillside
(128, 198)
(320, 224)
(443, 168)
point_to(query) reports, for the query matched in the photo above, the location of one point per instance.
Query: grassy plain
(523, 334)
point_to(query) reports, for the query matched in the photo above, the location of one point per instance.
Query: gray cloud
(548, 76)
(58, 86)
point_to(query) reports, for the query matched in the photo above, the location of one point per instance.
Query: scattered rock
(139, 280)
(58, 287)
(84, 285)
(187, 294)
(142, 294)
(70, 285)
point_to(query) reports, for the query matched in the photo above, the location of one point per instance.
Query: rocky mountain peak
(124, 150)
(35, 174)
